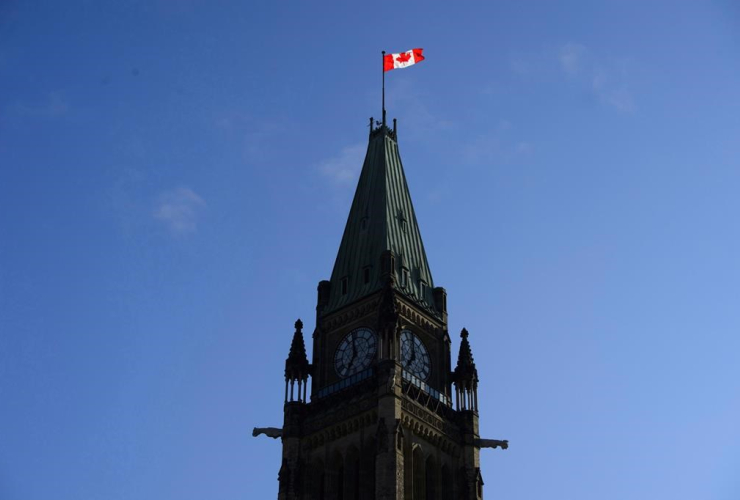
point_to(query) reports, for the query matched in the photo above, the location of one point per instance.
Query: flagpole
(383, 61)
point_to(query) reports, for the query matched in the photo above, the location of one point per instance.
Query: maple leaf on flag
(403, 57)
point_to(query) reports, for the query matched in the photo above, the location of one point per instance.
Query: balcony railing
(368, 372)
(424, 387)
(345, 383)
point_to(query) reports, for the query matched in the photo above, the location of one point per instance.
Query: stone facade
(382, 421)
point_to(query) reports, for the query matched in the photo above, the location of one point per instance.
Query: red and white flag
(402, 60)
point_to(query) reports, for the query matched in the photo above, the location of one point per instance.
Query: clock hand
(354, 353)
(412, 357)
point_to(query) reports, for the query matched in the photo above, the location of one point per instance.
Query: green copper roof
(382, 218)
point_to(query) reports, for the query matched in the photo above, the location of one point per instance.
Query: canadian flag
(402, 60)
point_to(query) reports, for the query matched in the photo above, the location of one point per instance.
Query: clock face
(355, 352)
(414, 355)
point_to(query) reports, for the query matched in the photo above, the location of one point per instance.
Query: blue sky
(175, 177)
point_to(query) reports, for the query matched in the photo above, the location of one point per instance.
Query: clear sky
(175, 177)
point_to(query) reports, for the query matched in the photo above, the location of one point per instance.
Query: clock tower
(387, 415)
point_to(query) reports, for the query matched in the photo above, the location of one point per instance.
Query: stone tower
(382, 420)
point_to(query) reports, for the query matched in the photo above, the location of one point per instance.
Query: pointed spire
(381, 222)
(296, 366)
(465, 372)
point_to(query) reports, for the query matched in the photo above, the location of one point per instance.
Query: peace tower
(382, 420)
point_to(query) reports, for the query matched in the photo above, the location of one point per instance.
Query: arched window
(340, 483)
(367, 470)
(431, 473)
(419, 478)
(352, 474)
(317, 480)
(447, 483)
(336, 478)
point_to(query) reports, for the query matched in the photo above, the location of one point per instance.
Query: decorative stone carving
(332, 416)
(272, 432)
(391, 379)
(399, 435)
(492, 443)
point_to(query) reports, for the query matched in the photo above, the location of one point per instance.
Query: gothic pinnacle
(465, 370)
(296, 366)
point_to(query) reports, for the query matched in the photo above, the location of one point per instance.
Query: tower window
(344, 285)
(402, 221)
(404, 277)
(422, 289)
(366, 275)
(363, 224)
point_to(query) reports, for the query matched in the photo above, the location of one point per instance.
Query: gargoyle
(392, 380)
(492, 443)
(272, 432)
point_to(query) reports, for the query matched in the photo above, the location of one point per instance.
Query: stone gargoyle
(272, 432)
(492, 443)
